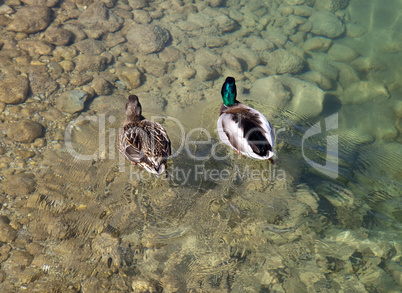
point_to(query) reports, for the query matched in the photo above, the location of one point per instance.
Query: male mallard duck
(244, 128)
(143, 142)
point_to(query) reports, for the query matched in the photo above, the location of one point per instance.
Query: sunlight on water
(77, 217)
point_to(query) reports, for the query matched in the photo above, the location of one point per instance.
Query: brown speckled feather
(143, 142)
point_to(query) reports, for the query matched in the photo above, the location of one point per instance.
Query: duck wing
(248, 131)
(147, 144)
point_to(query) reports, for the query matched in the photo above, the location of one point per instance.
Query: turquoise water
(326, 217)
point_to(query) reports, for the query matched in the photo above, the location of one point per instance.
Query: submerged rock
(25, 131)
(90, 47)
(283, 61)
(72, 101)
(205, 73)
(19, 184)
(355, 30)
(323, 66)
(148, 38)
(30, 19)
(42, 84)
(36, 47)
(7, 233)
(131, 76)
(318, 78)
(331, 5)
(285, 91)
(13, 90)
(326, 24)
(317, 44)
(364, 91)
(271, 91)
(342, 53)
(85, 63)
(58, 36)
(307, 98)
(98, 17)
(21, 257)
(48, 3)
(101, 86)
(247, 57)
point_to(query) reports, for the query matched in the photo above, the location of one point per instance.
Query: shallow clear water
(326, 217)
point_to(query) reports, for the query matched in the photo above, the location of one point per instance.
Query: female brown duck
(143, 142)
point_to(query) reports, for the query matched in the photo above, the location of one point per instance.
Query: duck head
(133, 109)
(229, 92)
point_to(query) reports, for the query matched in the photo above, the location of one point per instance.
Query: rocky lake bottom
(76, 217)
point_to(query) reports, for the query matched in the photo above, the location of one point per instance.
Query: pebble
(101, 86)
(207, 58)
(85, 63)
(364, 91)
(131, 76)
(258, 44)
(137, 4)
(42, 84)
(67, 65)
(25, 154)
(58, 36)
(155, 67)
(148, 38)
(90, 47)
(307, 98)
(184, 73)
(206, 73)
(271, 91)
(142, 16)
(366, 64)
(355, 30)
(78, 33)
(48, 3)
(215, 42)
(21, 257)
(5, 9)
(112, 40)
(65, 52)
(30, 19)
(303, 10)
(275, 36)
(7, 234)
(326, 24)
(34, 248)
(71, 101)
(13, 89)
(331, 5)
(317, 78)
(80, 79)
(25, 131)
(347, 74)
(232, 62)
(397, 109)
(170, 54)
(283, 61)
(322, 65)
(342, 53)
(98, 17)
(317, 44)
(248, 57)
(40, 142)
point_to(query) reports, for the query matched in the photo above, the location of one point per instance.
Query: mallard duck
(143, 142)
(243, 128)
